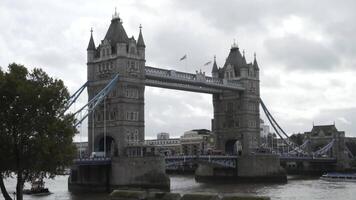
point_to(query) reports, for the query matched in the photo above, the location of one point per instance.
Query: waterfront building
(163, 136)
(82, 149)
(165, 145)
(350, 143)
(321, 135)
(264, 129)
(195, 142)
(264, 132)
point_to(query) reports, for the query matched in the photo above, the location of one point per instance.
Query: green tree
(297, 138)
(35, 134)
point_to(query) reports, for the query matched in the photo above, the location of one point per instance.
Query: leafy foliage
(35, 134)
(297, 138)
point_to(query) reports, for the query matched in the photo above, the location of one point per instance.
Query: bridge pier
(250, 168)
(120, 172)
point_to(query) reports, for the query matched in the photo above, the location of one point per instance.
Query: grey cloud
(343, 118)
(344, 38)
(297, 53)
(270, 80)
(334, 18)
(173, 43)
(229, 16)
(173, 109)
(31, 27)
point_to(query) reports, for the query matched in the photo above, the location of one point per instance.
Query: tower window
(132, 116)
(132, 92)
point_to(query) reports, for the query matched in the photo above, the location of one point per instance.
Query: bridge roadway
(92, 161)
(224, 161)
(198, 82)
(229, 161)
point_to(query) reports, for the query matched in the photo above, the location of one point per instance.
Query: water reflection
(297, 188)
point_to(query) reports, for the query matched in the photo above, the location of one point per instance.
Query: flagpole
(185, 63)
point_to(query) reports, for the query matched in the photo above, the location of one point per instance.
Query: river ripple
(295, 189)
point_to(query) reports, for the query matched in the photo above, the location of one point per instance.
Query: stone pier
(122, 172)
(250, 168)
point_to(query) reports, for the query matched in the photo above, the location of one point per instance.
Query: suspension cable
(274, 123)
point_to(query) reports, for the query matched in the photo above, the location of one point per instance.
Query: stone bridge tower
(122, 117)
(236, 114)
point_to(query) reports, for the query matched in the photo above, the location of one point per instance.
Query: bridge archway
(111, 148)
(233, 147)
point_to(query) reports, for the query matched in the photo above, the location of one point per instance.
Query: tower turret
(255, 66)
(243, 57)
(244, 68)
(116, 37)
(234, 64)
(141, 44)
(215, 70)
(91, 48)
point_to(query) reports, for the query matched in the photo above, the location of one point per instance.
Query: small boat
(339, 177)
(37, 188)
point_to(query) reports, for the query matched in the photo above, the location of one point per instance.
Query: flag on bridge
(184, 57)
(208, 63)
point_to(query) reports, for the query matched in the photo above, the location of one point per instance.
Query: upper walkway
(198, 82)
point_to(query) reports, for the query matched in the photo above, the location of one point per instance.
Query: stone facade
(116, 127)
(236, 110)
(321, 135)
(82, 149)
(164, 145)
(236, 113)
(197, 142)
(123, 113)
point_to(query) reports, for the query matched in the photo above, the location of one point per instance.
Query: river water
(295, 189)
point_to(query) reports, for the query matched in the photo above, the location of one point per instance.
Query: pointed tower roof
(215, 66)
(235, 59)
(140, 42)
(243, 57)
(255, 64)
(91, 45)
(116, 32)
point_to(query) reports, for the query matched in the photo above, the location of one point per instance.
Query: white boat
(37, 188)
(339, 177)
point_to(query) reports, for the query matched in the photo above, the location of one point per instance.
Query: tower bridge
(116, 79)
(234, 88)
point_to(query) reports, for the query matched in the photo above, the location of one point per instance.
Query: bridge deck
(92, 161)
(198, 82)
(231, 161)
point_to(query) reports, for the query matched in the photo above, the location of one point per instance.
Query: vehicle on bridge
(97, 154)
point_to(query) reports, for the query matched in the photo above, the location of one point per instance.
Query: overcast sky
(305, 49)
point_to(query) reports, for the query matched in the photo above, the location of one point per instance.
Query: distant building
(264, 129)
(82, 149)
(321, 135)
(165, 145)
(350, 143)
(195, 142)
(162, 136)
